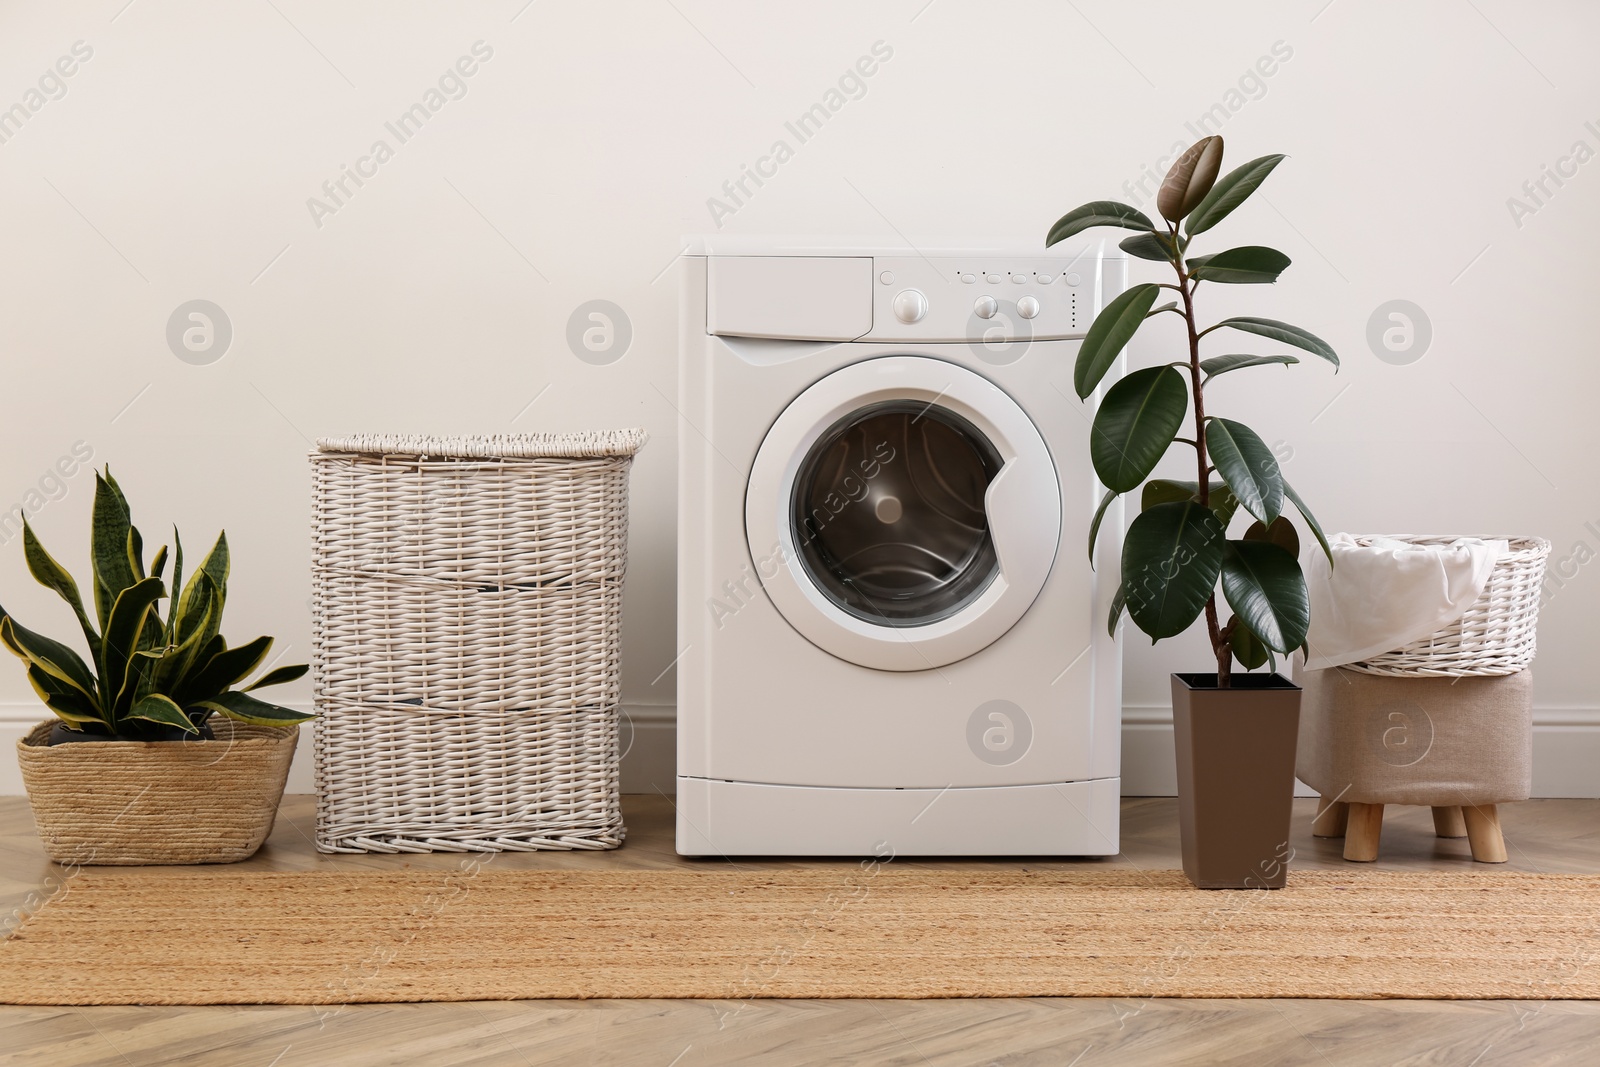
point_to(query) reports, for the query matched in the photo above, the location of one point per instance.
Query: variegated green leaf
(279, 675)
(157, 708)
(247, 709)
(50, 656)
(47, 572)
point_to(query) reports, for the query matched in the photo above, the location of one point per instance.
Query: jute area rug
(871, 931)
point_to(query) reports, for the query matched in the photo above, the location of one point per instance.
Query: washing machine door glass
(888, 513)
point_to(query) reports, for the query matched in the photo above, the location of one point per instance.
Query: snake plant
(146, 676)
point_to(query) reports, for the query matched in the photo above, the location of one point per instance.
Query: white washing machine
(891, 641)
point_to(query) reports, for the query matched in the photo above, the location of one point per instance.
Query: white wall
(179, 162)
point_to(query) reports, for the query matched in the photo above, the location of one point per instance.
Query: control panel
(982, 301)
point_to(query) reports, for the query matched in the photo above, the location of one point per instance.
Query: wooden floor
(1541, 835)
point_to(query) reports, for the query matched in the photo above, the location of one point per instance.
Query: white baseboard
(1566, 751)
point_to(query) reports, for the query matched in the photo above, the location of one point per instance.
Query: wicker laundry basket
(466, 617)
(1497, 634)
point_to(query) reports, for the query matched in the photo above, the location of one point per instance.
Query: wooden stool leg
(1483, 833)
(1448, 822)
(1362, 834)
(1332, 819)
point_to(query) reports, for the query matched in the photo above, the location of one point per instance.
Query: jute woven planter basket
(1498, 634)
(141, 802)
(466, 622)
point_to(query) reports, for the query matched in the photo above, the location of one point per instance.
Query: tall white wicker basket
(466, 618)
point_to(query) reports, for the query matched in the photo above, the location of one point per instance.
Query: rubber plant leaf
(1135, 425)
(1108, 335)
(1097, 213)
(1248, 466)
(1170, 561)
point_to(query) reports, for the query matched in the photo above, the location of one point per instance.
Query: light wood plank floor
(1541, 835)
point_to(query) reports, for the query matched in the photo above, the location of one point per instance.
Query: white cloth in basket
(1386, 594)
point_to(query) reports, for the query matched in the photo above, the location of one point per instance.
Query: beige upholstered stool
(1459, 745)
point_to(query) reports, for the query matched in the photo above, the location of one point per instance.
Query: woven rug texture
(889, 930)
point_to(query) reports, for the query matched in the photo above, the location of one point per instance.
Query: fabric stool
(1458, 745)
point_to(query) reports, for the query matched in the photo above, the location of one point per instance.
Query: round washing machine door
(912, 511)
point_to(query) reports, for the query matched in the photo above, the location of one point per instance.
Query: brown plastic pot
(1235, 777)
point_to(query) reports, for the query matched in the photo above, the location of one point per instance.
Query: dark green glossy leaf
(1246, 265)
(247, 709)
(157, 708)
(1281, 533)
(1311, 520)
(1283, 332)
(1094, 527)
(1148, 246)
(1110, 332)
(1223, 364)
(1247, 647)
(177, 587)
(1170, 305)
(1190, 178)
(1264, 587)
(1167, 490)
(1119, 604)
(279, 675)
(1098, 213)
(1229, 192)
(1135, 424)
(1170, 561)
(1248, 466)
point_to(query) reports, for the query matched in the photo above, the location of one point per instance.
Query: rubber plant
(147, 678)
(1178, 549)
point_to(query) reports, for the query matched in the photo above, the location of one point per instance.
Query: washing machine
(891, 641)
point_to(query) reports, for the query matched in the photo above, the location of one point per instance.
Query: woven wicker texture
(466, 621)
(890, 931)
(1497, 635)
(133, 802)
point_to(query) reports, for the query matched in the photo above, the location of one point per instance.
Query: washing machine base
(722, 818)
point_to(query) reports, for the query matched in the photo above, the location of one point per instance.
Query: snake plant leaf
(1168, 490)
(1245, 265)
(69, 702)
(109, 546)
(199, 608)
(136, 551)
(1119, 604)
(159, 564)
(1170, 562)
(123, 630)
(1135, 425)
(1311, 521)
(1109, 333)
(1094, 527)
(1150, 246)
(1189, 180)
(1229, 192)
(1283, 332)
(1247, 647)
(50, 656)
(161, 709)
(1223, 364)
(221, 671)
(1264, 586)
(247, 709)
(1097, 213)
(177, 587)
(52, 575)
(279, 675)
(1248, 466)
(1281, 533)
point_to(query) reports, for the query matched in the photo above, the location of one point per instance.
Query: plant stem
(1220, 645)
